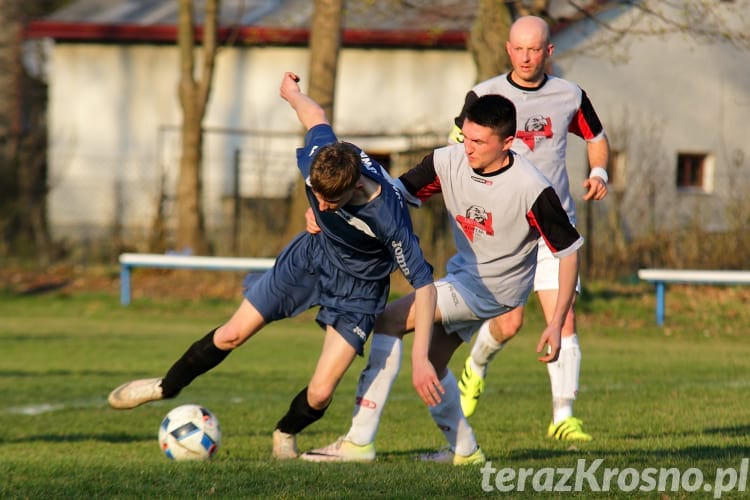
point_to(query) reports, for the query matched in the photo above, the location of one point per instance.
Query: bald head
(529, 48)
(530, 28)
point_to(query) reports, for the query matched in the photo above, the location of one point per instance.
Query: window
(694, 172)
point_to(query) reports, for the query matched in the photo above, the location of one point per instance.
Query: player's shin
(300, 414)
(564, 375)
(450, 419)
(373, 387)
(197, 360)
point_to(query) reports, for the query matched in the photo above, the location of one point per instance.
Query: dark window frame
(691, 171)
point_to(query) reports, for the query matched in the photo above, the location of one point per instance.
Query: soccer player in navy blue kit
(366, 234)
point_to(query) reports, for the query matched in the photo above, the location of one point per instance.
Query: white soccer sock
(450, 419)
(373, 387)
(563, 377)
(485, 348)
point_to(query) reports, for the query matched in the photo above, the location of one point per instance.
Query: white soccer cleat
(447, 456)
(342, 450)
(284, 445)
(135, 393)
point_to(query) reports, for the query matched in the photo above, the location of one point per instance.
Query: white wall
(109, 106)
(661, 95)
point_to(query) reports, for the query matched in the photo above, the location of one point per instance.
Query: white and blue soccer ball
(189, 432)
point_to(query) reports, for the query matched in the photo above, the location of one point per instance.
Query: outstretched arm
(308, 111)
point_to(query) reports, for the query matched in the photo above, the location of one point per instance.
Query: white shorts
(546, 276)
(457, 316)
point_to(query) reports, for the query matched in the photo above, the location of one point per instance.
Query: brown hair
(335, 169)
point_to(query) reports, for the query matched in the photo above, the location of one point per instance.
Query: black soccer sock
(300, 414)
(197, 360)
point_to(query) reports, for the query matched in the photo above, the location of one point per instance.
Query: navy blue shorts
(303, 277)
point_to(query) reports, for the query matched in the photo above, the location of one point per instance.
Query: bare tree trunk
(490, 32)
(9, 133)
(325, 41)
(194, 96)
(537, 8)
(23, 166)
(488, 36)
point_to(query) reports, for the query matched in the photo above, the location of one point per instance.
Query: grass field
(654, 398)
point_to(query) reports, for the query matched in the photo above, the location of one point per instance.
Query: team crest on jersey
(477, 222)
(535, 129)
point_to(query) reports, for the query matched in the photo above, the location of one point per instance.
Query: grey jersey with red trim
(545, 116)
(496, 221)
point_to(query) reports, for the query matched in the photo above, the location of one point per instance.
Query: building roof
(256, 22)
(427, 23)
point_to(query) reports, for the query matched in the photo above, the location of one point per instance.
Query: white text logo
(593, 477)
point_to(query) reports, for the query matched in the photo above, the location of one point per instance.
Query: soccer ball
(189, 432)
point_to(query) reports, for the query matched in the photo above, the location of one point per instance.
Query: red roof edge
(249, 35)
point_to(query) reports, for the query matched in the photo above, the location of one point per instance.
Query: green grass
(652, 397)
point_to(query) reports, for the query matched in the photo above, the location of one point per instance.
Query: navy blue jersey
(367, 241)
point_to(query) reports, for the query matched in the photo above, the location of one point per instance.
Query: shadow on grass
(606, 294)
(636, 455)
(75, 438)
(42, 288)
(737, 430)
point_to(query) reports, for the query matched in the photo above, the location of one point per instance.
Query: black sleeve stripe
(586, 123)
(422, 180)
(551, 220)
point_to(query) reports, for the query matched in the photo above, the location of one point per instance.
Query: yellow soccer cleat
(471, 386)
(569, 429)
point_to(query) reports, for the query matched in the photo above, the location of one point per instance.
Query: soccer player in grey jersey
(499, 205)
(549, 108)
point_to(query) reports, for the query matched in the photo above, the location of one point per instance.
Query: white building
(673, 104)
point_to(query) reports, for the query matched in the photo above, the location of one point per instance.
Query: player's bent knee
(227, 339)
(396, 318)
(510, 331)
(319, 396)
(504, 329)
(507, 336)
(389, 326)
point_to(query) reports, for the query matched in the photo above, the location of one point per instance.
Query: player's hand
(426, 382)
(549, 342)
(596, 188)
(289, 85)
(311, 225)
